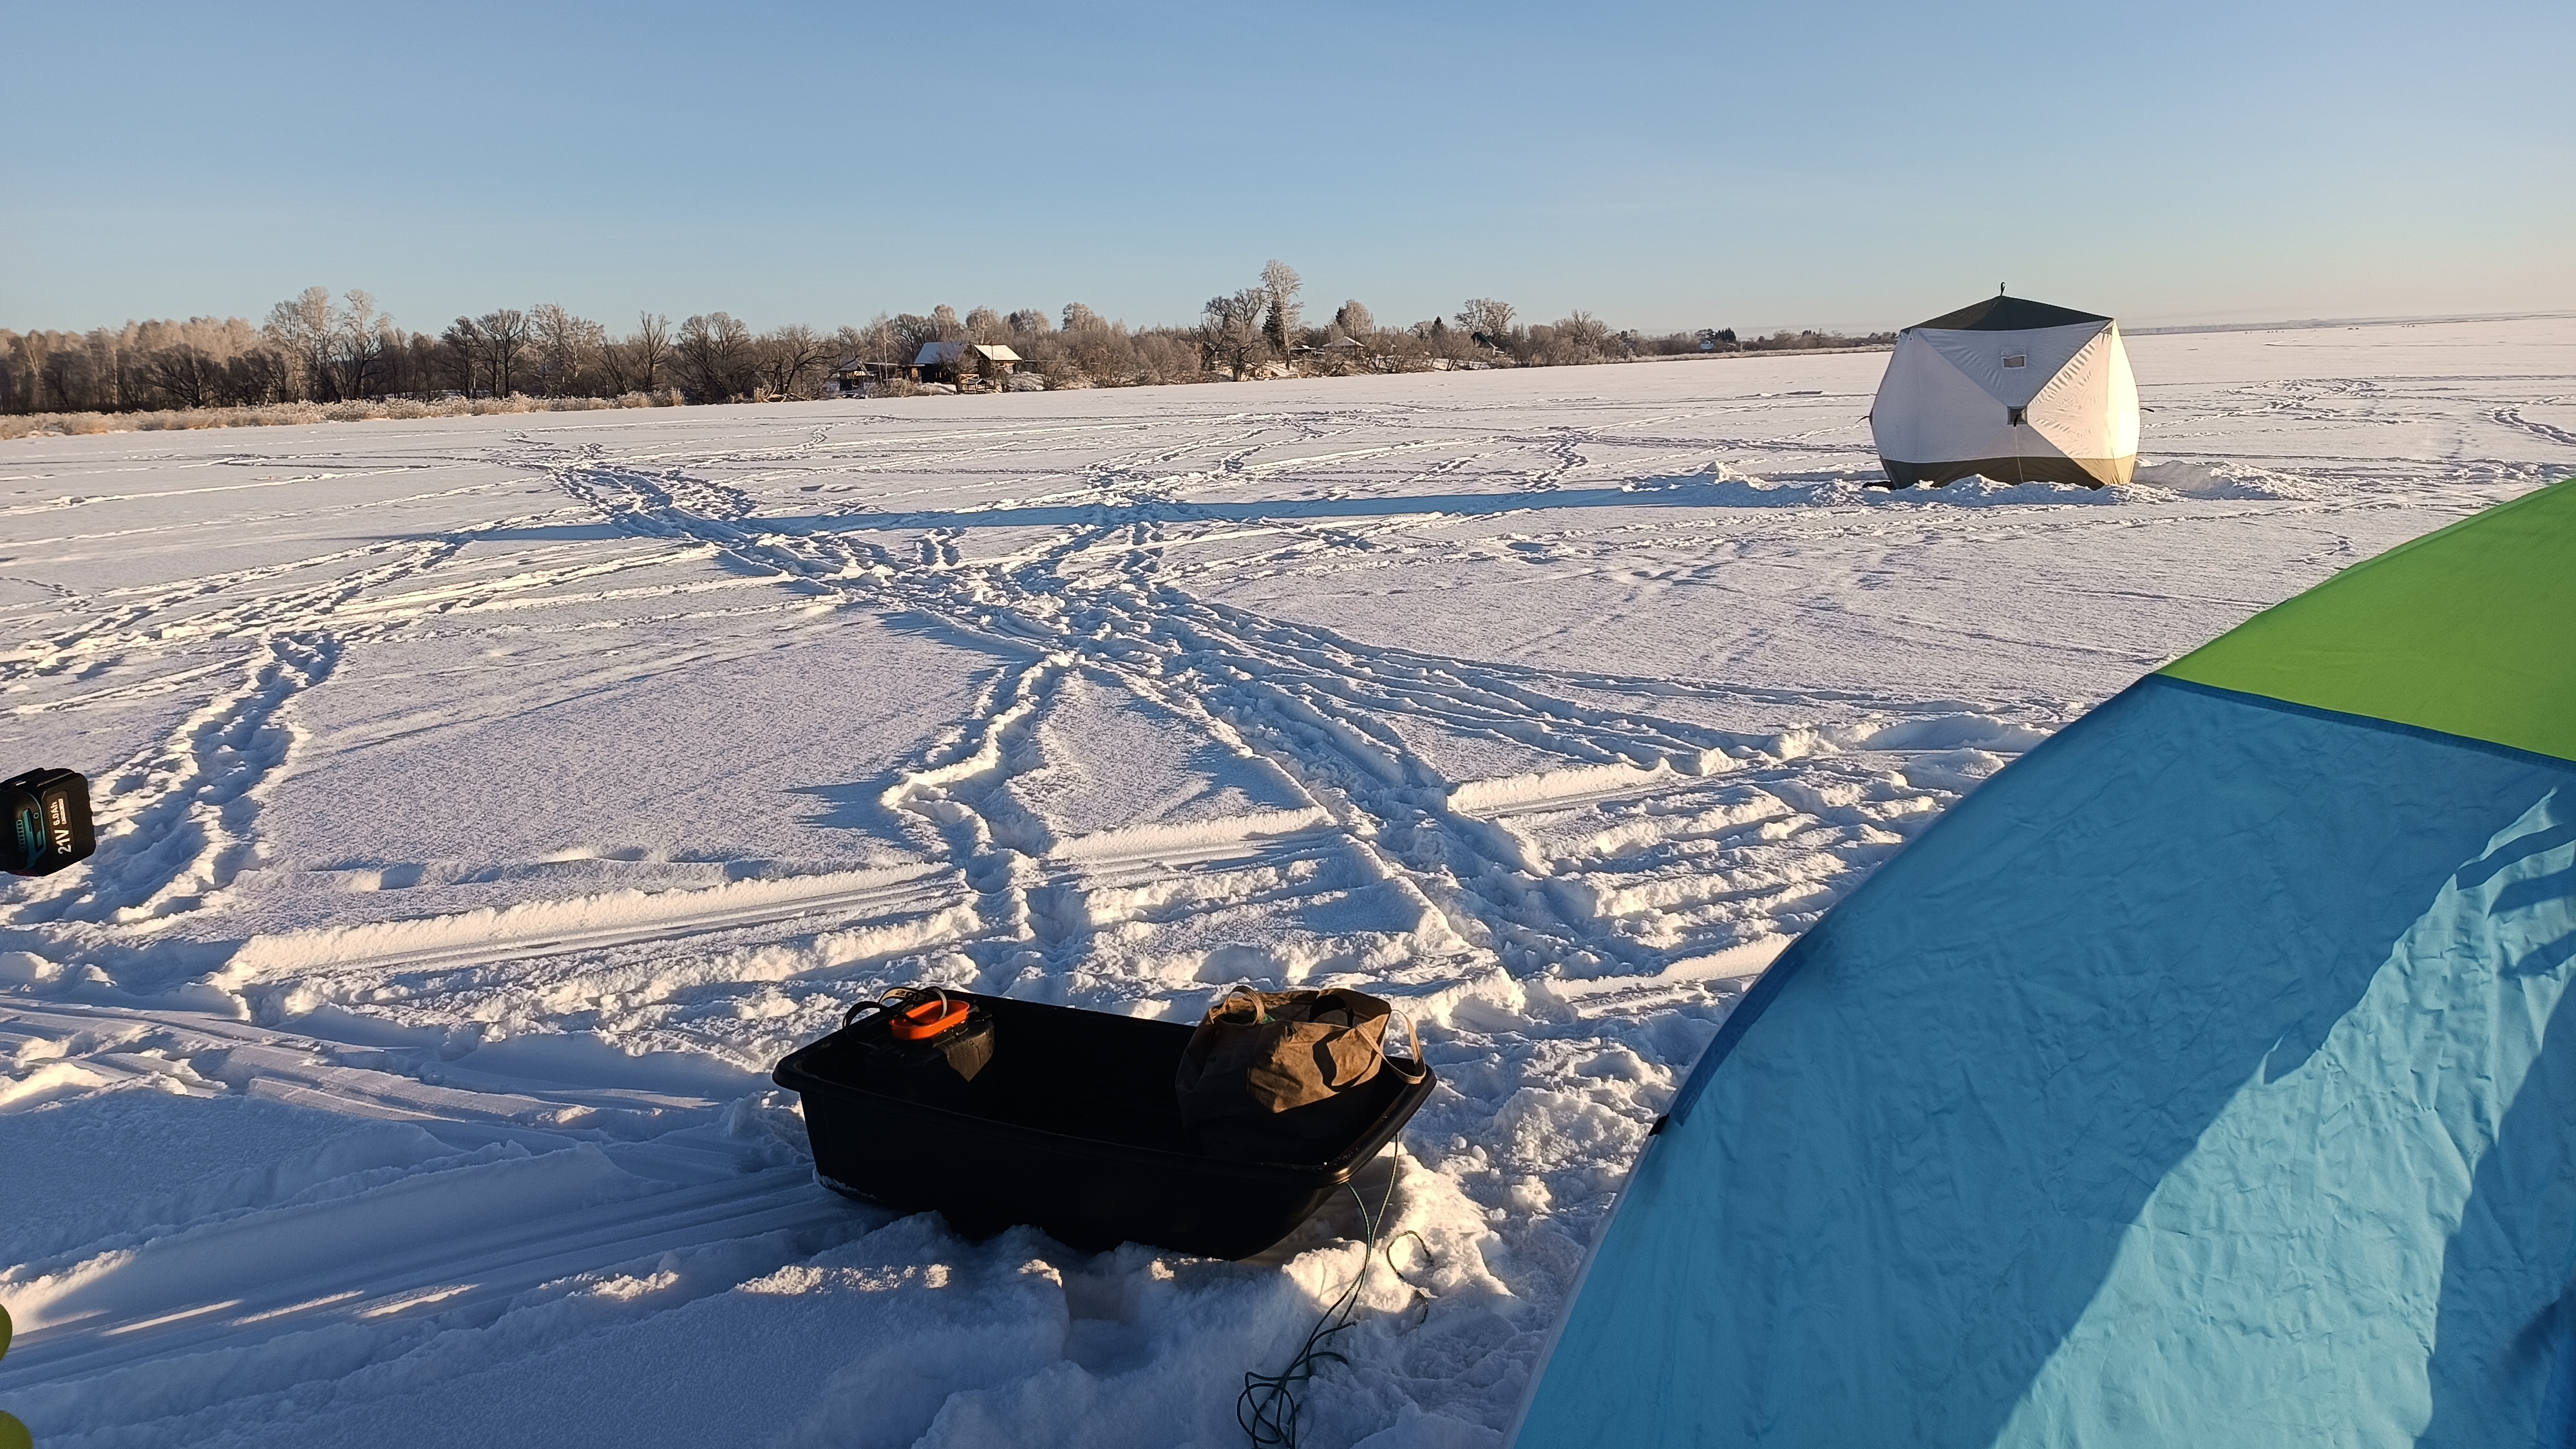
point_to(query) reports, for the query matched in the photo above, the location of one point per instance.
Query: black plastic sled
(1071, 1126)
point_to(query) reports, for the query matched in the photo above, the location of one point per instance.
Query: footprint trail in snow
(487, 803)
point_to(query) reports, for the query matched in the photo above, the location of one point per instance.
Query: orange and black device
(920, 1042)
(48, 814)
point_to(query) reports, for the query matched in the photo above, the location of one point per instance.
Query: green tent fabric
(2471, 630)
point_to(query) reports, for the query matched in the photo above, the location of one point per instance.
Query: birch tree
(300, 327)
(360, 337)
(1280, 284)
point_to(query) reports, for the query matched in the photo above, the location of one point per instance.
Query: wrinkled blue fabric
(2193, 1081)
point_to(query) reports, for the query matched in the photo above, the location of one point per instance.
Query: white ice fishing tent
(2018, 391)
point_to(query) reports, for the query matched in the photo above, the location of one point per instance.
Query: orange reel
(926, 1019)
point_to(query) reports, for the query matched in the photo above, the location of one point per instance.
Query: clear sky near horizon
(1662, 166)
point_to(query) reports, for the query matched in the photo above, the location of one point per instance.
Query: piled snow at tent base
(487, 803)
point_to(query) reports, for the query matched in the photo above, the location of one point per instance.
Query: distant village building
(851, 376)
(1341, 353)
(938, 361)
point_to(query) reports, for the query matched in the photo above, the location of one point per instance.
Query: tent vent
(2016, 359)
(2015, 418)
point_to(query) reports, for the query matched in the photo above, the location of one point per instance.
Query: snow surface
(488, 803)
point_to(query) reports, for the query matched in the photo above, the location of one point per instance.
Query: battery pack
(48, 815)
(922, 1045)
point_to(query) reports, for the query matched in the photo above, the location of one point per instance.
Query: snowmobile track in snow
(490, 801)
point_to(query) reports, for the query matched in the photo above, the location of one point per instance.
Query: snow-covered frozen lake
(488, 803)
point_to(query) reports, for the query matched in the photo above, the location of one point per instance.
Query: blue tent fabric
(2162, 1092)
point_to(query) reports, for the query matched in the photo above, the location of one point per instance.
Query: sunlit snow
(486, 804)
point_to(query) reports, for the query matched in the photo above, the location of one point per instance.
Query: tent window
(2016, 359)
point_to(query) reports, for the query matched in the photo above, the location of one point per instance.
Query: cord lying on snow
(1268, 1407)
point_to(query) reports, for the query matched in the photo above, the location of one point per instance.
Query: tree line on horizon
(314, 348)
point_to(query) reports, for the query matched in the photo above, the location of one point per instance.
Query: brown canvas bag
(1262, 1053)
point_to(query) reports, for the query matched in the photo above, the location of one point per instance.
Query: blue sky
(1861, 165)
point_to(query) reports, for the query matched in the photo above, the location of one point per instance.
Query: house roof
(940, 354)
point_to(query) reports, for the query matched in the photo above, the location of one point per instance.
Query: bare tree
(187, 375)
(616, 374)
(423, 361)
(635, 365)
(1487, 319)
(503, 336)
(1097, 350)
(62, 373)
(788, 358)
(260, 375)
(567, 348)
(465, 353)
(312, 346)
(1166, 356)
(1581, 337)
(713, 353)
(1232, 334)
(877, 342)
(301, 328)
(32, 352)
(361, 336)
(1280, 284)
(912, 332)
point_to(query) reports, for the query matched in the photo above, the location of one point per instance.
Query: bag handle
(1419, 1068)
(900, 998)
(1260, 1013)
(923, 1018)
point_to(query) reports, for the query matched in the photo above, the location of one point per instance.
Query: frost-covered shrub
(275, 415)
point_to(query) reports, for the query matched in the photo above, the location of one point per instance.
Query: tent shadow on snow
(1840, 488)
(858, 805)
(1698, 490)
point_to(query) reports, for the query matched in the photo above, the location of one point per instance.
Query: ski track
(533, 1119)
